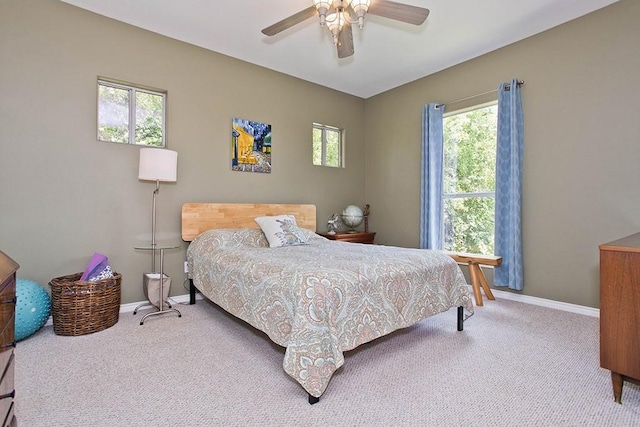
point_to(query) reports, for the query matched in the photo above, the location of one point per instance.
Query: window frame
(449, 196)
(133, 90)
(324, 129)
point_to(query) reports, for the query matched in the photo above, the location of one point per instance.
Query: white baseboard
(558, 305)
(180, 299)
(128, 308)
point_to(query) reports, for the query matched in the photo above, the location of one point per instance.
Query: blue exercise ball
(33, 307)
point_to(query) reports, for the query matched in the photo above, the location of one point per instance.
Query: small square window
(131, 115)
(327, 146)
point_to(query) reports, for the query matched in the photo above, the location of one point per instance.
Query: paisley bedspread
(323, 298)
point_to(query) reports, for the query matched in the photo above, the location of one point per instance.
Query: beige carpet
(514, 364)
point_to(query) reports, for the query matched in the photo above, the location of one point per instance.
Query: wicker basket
(81, 307)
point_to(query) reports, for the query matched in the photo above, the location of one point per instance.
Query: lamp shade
(158, 164)
(360, 5)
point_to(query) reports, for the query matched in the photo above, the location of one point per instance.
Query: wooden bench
(474, 261)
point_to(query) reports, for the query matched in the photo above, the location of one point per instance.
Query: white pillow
(281, 230)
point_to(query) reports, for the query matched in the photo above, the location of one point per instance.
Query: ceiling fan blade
(400, 12)
(290, 21)
(345, 41)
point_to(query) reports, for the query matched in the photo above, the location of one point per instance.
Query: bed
(319, 298)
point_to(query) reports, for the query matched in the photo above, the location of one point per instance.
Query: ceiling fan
(338, 15)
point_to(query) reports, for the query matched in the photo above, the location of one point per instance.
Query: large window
(130, 115)
(327, 146)
(469, 179)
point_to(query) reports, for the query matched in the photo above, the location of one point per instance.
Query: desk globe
(352, 217)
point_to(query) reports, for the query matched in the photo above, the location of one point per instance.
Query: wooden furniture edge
(474, 261)
(618, 294)
(464, 257)
(7, 266)
(8, 280)
(626, 244)
(200, 217)
(367, 237)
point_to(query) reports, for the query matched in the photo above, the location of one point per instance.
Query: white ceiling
(387, 53)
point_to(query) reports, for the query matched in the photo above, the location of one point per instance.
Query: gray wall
(582, 146)
(64, 195)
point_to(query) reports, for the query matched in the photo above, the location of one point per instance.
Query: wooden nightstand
(359, 237)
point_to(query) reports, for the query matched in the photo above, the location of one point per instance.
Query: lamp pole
(153, 228)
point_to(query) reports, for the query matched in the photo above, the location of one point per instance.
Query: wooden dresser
(620, 311)
(358, 237)
(8, 268)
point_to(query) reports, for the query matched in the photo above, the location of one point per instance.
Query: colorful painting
(250, 146)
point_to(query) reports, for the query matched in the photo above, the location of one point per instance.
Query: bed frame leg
(192, 292)
(313, 400)
(460, 318)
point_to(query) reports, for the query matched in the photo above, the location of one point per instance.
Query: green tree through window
(469, 180)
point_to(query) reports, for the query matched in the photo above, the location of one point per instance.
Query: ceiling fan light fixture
(344, 4)
(323, 7)
(340, 16)
(360, 7)
(335, 22)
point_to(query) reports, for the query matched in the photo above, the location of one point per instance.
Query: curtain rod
(507, 87)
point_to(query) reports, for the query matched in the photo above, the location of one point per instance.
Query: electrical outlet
(186, 267)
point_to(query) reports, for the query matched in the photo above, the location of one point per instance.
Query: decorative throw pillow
(281, 230)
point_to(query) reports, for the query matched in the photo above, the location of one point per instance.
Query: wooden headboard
(200, 217)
